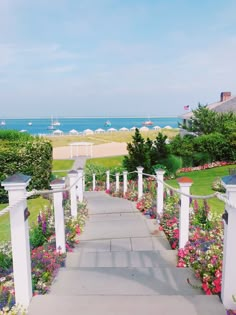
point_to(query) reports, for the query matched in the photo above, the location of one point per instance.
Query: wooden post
(125, 174)
(140, 181)
(94, 182)
(59, 184)
(185, 183)
(160, 192)
(16, 187)
(229, 256)
(108, 180)
(73, 175)
(117, 181)
(80, 187)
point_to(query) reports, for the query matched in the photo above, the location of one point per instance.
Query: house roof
(228, 105)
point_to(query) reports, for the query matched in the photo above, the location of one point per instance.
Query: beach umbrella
(133, 128)
(156, 127)
(144, 128)
(167, 127)
(57, 132)
(123, 129)
(88, 132)
(99, 130)
(73, 132)
(111, 130)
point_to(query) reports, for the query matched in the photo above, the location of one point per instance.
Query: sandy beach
(99, 150)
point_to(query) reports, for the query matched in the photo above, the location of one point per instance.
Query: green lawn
(202, 181)
(61, 165)
(34, 206)
(108, 162)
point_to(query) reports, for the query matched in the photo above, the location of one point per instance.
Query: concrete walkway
(120, 267)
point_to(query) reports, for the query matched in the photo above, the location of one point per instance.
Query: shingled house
(227, 103)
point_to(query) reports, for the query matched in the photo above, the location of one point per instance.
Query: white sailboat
(53, 124)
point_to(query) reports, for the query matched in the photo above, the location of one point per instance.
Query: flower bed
(204, 167)
(204, 251)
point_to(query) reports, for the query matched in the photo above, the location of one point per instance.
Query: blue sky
(114, 57)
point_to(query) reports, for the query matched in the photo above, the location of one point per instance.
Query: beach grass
(34, 206)
(108, 137)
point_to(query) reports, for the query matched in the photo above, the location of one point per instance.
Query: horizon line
(91, 117)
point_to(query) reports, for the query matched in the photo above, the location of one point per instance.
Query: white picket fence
(16, 186)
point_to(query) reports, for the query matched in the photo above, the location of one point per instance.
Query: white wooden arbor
(81, 148)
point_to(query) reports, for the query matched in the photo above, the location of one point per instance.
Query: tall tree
(203, 120)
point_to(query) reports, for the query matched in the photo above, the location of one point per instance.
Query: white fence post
(229, 256)
(94, 182)
(59, 184)
(80, 184)
(73, 198)
(117, 181)
(108, 180)
(16, 187)
(185, 183)
(125, 174)
(160, 191)
(140, 181)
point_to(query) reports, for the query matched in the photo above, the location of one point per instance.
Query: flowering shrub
(204, 251)
(43, 229)
(149, 185)
(131, 195)
(170, 220)
(45, 262)
(217, 185)
(147, 205)
(15, 310)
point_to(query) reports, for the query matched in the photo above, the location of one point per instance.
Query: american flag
(186, 107)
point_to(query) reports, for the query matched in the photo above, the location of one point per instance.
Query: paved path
(119, 267)
(79, 162)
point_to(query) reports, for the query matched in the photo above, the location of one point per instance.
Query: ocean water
(37, 126)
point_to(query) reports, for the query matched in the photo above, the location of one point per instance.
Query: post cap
(17, 178)
(160, 170)
(72, 172)
(139, 168)
(185, 180)
(57, 181)
(229, 180)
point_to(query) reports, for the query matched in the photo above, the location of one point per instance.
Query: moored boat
(147, 123)
(50, 127)
(107, 123)
(56, 123)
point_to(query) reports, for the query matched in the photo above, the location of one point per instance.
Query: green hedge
(28, 155)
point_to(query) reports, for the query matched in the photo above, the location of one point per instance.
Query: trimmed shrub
(32, 157)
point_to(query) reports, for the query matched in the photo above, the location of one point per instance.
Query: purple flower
(44, 227)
